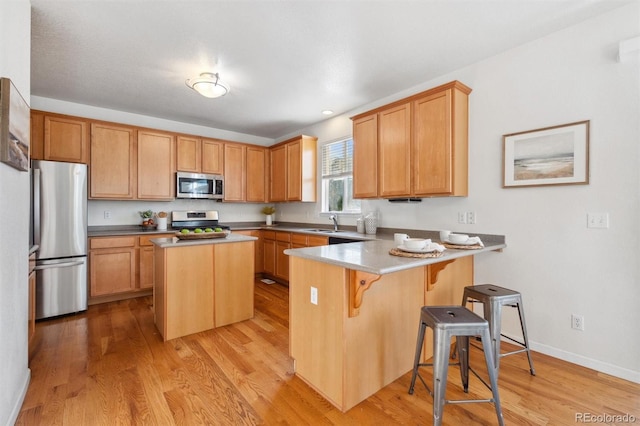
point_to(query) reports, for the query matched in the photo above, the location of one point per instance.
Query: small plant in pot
(268, 211)
(147, 218)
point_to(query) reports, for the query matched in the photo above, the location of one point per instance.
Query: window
(337, 178)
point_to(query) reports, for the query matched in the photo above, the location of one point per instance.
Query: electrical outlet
(107, 214)
(598, 220)
(471, 218)
(314, 295)
(462, 217)
(577, 322)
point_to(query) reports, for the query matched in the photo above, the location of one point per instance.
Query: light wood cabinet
(365, 157)
(145, 260)
(269, 252)
(274, 243)
(113, 162)
(156, 165)
(57, 137)
(283, 242)
(293, 170)
(233, 283)
(421, 143)
(198, 155)
(257, 172)
(235, 172)
(112, 265)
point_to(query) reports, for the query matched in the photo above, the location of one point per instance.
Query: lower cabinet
(120, 266)
(258, 255)
(274, 243)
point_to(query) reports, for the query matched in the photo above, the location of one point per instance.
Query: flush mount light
(327, 112)
(208, 84)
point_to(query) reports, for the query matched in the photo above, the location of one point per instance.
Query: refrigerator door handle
(36, 206)
(58, 265)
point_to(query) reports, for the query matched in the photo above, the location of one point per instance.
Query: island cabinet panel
(234, 281)
(156, 165)
(350, 358)
(189, 292)
(113, 162)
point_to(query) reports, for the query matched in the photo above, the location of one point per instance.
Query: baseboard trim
(18, 404)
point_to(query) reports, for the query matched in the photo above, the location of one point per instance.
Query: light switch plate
(598, 220)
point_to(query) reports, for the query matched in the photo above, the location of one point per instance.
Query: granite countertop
(374, 257)
(176, 242)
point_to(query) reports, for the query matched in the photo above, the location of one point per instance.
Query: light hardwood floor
(109, 366)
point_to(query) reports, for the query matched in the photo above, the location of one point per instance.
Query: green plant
(147, 214)
(268, 210)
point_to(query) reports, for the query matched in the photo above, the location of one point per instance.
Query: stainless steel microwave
(199, 185)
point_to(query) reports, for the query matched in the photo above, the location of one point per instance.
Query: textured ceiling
(285, 61)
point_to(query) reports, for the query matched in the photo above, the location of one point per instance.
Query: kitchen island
(354, 312)
(202, 284)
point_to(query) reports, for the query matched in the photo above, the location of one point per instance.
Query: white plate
(471, 241)
(427, 249)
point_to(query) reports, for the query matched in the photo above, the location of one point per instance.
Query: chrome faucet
(334, 218)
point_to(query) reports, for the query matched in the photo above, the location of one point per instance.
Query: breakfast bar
(354, 311)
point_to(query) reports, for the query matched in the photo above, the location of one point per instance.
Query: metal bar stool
(493, 299)
(446, 322)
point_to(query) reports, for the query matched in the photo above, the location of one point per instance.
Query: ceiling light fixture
(208, 84)
(327, 112)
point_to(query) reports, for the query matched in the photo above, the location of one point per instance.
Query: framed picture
(14, 127)
(557, 155)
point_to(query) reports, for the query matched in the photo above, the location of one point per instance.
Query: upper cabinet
(113, 162)
(198, 155)
(293, 170)
(245, 169)
(415, 147)
(156, 170)
(58, 137)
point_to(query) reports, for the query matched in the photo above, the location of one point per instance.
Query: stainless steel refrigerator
(60, 231)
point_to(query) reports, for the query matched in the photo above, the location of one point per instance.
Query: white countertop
(374, 257)
(176, 242)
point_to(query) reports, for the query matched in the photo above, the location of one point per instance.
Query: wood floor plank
(110, 366)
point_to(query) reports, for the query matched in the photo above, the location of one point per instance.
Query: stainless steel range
(195, 219)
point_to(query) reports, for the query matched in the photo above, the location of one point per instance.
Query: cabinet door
(269, 253)
(278, 172)
(294, 171)
(188, 154)
(432, 159)
(212, 156)
(66, 139)
(156, 165)
(112, 271)
(365, 157)
(256, 174)
(235, 172)
(282, 260)
(145, 265)
(394, 148)
(113, 163)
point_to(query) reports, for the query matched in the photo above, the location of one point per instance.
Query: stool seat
(447, 322)
(493, 298)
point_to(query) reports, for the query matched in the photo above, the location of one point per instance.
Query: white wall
(15, 25)
(559, 265)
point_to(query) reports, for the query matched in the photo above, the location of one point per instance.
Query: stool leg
(493, 374)
(416, 362)
(462, 343)
(441, 343)
(465, 299)
(524, 336)
(493, 314)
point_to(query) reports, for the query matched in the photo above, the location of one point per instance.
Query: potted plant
(268, 211)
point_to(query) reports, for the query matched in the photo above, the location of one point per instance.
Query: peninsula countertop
(374, 257)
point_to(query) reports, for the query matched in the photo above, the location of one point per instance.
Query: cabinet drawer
(299, 239)
(146, 240)
(316, 240)
(283, 236)
(109, 242)
(269, 235)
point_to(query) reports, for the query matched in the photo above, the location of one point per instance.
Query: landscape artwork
(551, 156)
(14, 127)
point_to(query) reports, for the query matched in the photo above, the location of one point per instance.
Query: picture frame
(14, 126)
(557, 155)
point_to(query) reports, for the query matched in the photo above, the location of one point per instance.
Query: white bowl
(415, 243)
(458, 238)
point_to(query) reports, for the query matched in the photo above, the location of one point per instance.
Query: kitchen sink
(324, 231)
